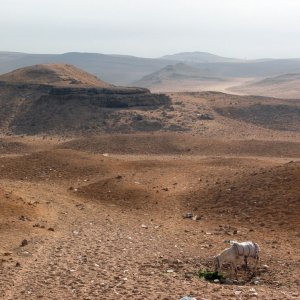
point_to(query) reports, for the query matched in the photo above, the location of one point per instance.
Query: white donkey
(231, 255)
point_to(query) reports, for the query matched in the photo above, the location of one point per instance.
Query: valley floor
(92, 219)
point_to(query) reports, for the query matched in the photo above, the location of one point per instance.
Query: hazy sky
(152, 28)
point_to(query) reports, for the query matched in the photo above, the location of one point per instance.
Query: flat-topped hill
(59, 98)
(54, 74)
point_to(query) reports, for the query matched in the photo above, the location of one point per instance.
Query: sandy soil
(101, 217)
(109, 225)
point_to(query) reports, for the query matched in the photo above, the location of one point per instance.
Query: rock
(253, 292)
(196, 218)
(228, 281)
(205, 117)
(237, 292)
(144, 226)
(189, 275)
(216, 281)
(18, 265)
(170, 271)
(188, 215)
(24, 243)
(51, 229)
(265, 267)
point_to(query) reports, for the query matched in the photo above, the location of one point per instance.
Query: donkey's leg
(234, 268)
(246, 262)
(256, 263)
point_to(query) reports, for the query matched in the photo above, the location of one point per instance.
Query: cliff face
(62, 99)
(39, 109)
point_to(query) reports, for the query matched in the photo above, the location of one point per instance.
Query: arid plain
(98, 214)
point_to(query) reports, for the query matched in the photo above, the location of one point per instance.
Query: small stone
(51, 229)
(188, 215)
(253, 292)
(18, 265)
(216, 281)
(170, 271)
(237, 292)
(189, 275)
(265, 267)
(144, 226)
(24, 243)
(228, 281)
(196, 218)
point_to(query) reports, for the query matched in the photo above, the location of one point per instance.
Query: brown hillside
(283, 86)
(269, 197)
(54, 74)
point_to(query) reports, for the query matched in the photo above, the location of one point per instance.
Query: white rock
(265, 266)
(170, 271)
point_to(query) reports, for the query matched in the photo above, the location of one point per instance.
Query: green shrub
(210, 276)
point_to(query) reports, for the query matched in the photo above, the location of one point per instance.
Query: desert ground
(100, 216)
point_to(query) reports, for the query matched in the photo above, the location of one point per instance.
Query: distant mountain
(54, 74)
(179, 77)
(198, 57)
(124, 69)
(285, 86)
(255, 68)
(177, 72)
(117, 69)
